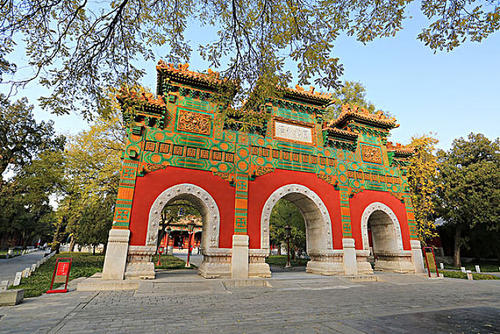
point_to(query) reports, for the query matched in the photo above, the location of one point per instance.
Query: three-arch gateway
(188, 143)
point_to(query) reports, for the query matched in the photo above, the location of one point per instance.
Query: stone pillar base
(216, 263)
(239, 258)
(416, 254)
(398, 263)
(116, 254)
(139, 263)
(350, 262)
(364, 266)
(257, 266)
(325, 263)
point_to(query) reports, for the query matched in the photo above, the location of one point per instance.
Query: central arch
(318, 223)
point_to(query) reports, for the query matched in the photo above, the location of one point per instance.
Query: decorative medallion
(194, 122)
(148, 168)
(371, 154)
(259, 171)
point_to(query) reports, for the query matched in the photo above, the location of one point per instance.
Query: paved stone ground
(9, 267)
(180, 302)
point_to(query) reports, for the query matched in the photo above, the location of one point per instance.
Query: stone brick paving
(294, 304)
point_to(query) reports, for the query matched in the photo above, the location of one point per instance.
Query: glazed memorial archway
(186, 142)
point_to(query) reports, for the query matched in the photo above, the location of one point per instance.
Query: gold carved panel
(194, 122)
(371, 154)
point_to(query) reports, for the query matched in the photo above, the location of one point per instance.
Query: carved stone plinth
(325, 263)
(418, 260)
(139, 263)
(350, 262)
(395, 262)
(239, 257)
(216, 263)
(364, 266)
(257, 266)
(116, 254)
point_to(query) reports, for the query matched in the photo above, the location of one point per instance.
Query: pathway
(9, 267)
(295, 302)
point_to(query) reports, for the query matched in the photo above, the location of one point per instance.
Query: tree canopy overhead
(78, 47)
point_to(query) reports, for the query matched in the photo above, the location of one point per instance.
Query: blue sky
(447, 93)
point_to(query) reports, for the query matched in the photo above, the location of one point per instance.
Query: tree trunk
(456, 251)
(72, 244)
(93, 249)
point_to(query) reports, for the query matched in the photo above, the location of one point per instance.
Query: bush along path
(84, 265)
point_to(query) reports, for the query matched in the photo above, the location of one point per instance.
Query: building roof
(211, 79)
(399, 149)
(309, 96)
(362, 115)
(340, 133)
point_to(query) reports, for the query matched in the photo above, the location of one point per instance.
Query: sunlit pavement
(293, 302)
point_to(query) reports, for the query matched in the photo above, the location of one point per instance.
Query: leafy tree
(286, 213)
(77, 47)
(21, 137)
(92, 176)
(349, 93)
(25, 212)
(422, 179)
(469, 192)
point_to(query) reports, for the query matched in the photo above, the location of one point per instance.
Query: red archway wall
(150, 186)
(360, 201)
(263, 186)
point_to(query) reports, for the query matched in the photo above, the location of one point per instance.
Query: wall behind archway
(150, 186)
(361, 200)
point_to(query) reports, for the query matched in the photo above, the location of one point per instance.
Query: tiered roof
(211, 79)
(400, 150)
(308, 96)
(362, 115)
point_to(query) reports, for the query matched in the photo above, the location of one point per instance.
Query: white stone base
(325, 268)
(216, 263)
(11, 297)
(257, 266)
(116, 254)
(145, 270)
(239, 257)
(398, 263)
(418, 260)
(350, 262)
(364, 266)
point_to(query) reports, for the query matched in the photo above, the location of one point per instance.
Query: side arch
(202, 200)
(312, 209)
(377, 206)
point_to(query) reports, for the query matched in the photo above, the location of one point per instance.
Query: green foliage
(280, 260)
(486, 267)
(77, 48)
(286, 213)
(469, 192)
(84, 265)
(170, 262)
(25, 212)
(349, 93)
(92, 174)
(22, 139)
(461, 275)
(422, 179)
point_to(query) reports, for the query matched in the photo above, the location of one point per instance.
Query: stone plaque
(293, 132)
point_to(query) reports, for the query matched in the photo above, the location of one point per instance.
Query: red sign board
(430, 260)
(61, 274)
